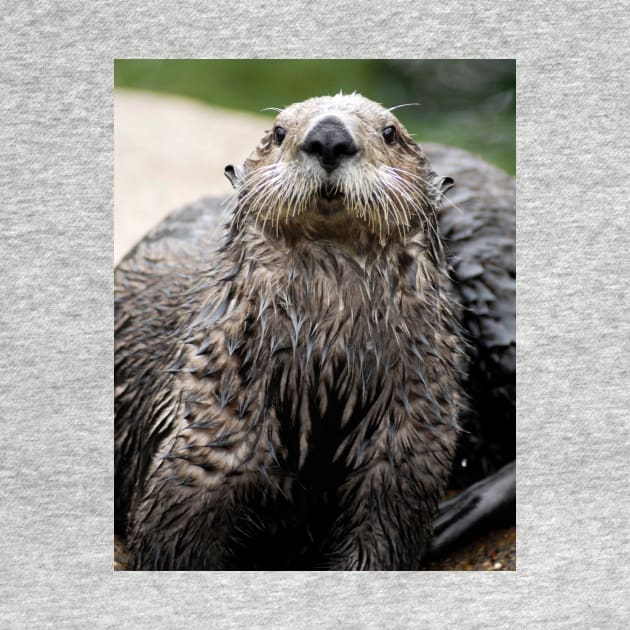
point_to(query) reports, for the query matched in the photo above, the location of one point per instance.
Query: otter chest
(306, 375)
(340, 352)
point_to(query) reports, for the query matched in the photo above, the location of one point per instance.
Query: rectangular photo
(315, 315)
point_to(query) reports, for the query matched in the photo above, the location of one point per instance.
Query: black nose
(329, 140)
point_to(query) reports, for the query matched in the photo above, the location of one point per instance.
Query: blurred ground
(493, 551)
(170, 151)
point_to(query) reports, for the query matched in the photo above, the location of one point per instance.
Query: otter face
(335, 163)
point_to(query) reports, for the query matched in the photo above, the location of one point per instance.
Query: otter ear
(446, 183)
(235, 175)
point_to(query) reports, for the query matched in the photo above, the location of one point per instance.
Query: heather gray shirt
(56, 377)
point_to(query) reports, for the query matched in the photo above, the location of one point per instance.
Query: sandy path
(169, 151)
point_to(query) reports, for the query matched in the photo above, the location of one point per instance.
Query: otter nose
(329, 141)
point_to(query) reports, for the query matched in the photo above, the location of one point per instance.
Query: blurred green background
(465, 103)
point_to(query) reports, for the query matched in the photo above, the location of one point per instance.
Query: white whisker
(395, 107)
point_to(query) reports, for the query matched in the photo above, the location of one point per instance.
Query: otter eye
(278, 134)
(389, 134)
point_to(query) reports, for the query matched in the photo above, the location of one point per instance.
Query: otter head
(336, 167)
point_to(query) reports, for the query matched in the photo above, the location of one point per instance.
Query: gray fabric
(56, 380)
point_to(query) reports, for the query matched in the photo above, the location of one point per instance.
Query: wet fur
(292, 401)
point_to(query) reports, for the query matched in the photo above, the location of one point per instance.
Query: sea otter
(293, 399)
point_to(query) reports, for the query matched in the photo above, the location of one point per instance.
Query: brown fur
(292, 401)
